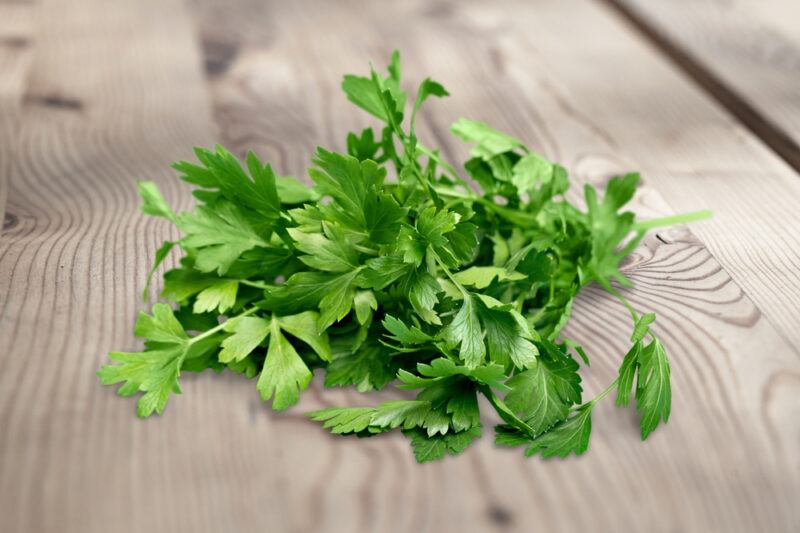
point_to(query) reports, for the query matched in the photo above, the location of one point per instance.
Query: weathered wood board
(107, 91)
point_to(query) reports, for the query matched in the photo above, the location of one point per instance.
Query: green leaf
(221, 295)
(330, 252)
(609, 228)
(248, 333)
(531, 170)
(506, 435)
(362, 93)
(304, 327)
(154, 371)
(403, 334)
(292, 191)
(566, 437)
(180, 284)
(161, 254)
(368, 93)
(382, 271)
(452, 241)
(465, 330)
(284, 374)
(488, 141)
(331, 293)
(431, 448)
(505, 336)
(365, 304)
(627, 371)
(221, 234)
(543, 394)
(421, 289)
(358, 203)
(161, 326)
(463, 409)
(364, 146)
(653, 390)
(428, 88)
(406, 413)
(492, 375)
(641, 328)
(152, 202)
(367, 368)
(344, 420)
(481, 277)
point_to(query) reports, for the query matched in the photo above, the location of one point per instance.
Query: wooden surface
(95, 93)
(748, 49)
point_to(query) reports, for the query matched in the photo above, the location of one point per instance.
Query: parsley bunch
(421, 278)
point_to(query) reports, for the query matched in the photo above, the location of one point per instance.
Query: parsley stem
(365, 250)
(449, 169)
(256, 284)
(520, 218)
(618, 295)
(505, 413)
(448, 273)
(602, 395)
(646, 225)
(219, 327)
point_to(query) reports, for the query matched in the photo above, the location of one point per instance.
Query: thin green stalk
(618, 295)
(219, 327)
(256, 284)
(505, 413)
(646, 225)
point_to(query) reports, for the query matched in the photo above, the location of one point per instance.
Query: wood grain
(697, 154)
(654, 120)
(115, 93)
(753, 48)
(15, 56)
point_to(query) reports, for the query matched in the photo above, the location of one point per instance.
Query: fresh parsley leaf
(284, 374)
(653, 390)
(543, 394)
(248, 332)
(427, 448)
(220, 235)
(488, 141)
(481, 277)
(220, 295)
(154, 371)
(153, 203)
(566, 437)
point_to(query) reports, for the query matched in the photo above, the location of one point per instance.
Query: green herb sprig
(422, 278)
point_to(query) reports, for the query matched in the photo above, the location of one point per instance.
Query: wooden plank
(697, 153)
(710, 160)
(15, 55)
(116, 92)
(276, 90)
(751, 49)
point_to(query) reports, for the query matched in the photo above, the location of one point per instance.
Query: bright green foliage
(566, 437)
(285, 373)
(653, 392)
(154, 371)
(424, 278)
(543, 394)
(153, 203)
(247, 333)
(220, 295)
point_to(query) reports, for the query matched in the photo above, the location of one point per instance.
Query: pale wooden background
(702, 96)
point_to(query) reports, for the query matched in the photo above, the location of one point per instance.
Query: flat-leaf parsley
(424, 278)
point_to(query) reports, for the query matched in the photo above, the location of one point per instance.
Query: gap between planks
(773, 135)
